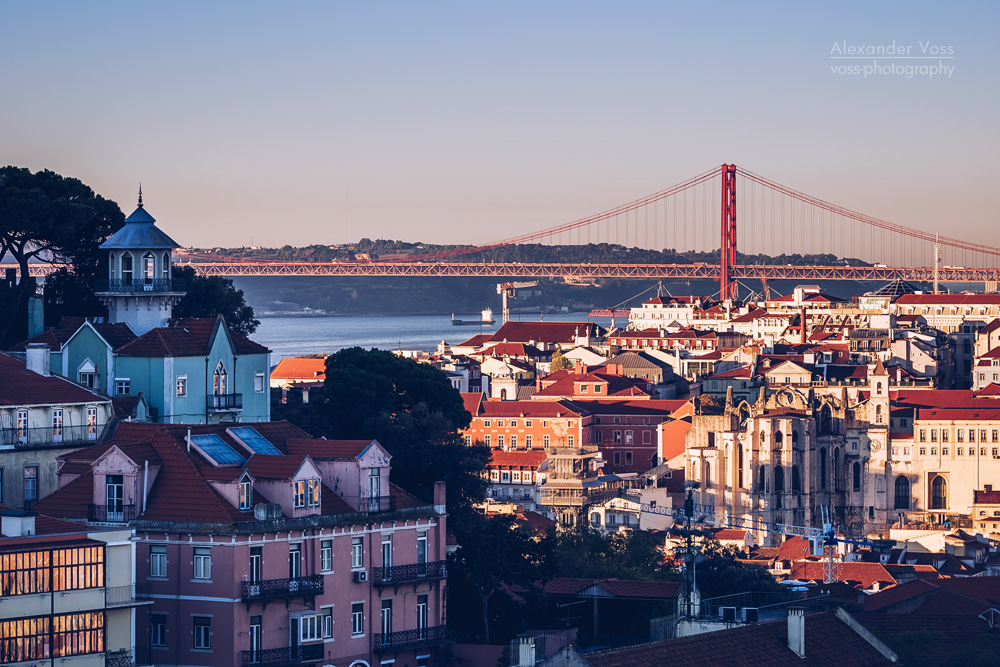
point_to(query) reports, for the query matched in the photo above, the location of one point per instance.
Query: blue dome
(139, 233)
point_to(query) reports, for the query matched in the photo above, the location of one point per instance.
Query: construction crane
(509, 290)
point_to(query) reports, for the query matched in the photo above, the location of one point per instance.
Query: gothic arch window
(762, 480)
(857, 476)
(836, 469)
(902, 493)
(826, 419)
(739, 481)
(822, 467)
(112, 264)
(796, 480)
(127, 267)
(779, 485)
(939, 493)
(878, 414)
(763, 438)
(165, 266)
(795, 438)
(148, 268)
(220, 380)
(503, 394)
(708, 475)
(878, 388)
(778, 438)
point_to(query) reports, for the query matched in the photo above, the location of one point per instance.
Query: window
(486, 423)
(923, 435)
(857, 476)
(513, 423)
(982, 435)
(30, 484)
(258, 382)
(421, 547)
(148, 267)
(57, 425)
(326, 555)
(386, 617)
(158, 560)
(628, 437)
(571, 441)
(958, 452)
(996, 433)
(822, 467)
(944, 451)
(902, 493)
(422, 616)
(961, 435)
(583, 388)
(933, 451)
(358, 618)
(545, 441)
(165, 266)
(202, 632)
(923, 451)
(91, 423)
(972, 435)
(294, 561)
(618, 458)
(182, 385)
(933, 435)
(87, 378)
(202, 563)
(123, 386)
(708, 475)
(598, 437)
(22, 426)
(500, 441)
(487, 440)
(617, 437)
(944, 435)
(939, 493)
(527, 441)
(528, 423)
(357, 553)
(246, 493)
(313, 496)
(327, 622)
(311, 627)
(628, 458)
(387, 550)
(220, 380)
(513, 442)
(299, 494)
(127, 268)
(158, 629)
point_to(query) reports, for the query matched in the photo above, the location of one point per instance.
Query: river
(291, 336)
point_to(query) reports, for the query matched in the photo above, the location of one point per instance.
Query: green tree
(721, 573)
(413, 410)
(559, 362)
(45, 217)
(585, 552)
(208, 296)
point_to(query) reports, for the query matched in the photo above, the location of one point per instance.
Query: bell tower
(139, 290)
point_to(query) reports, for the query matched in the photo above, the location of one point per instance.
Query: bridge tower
(727, 286)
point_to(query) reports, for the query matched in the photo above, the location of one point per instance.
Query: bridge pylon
(727, 285)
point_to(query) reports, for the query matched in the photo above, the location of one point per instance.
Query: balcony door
(422, 616)
(256, 644)
(220, 380)
(115, 485)
(374, 488)
(386, 620)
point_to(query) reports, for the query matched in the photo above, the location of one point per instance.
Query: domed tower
(139, 290)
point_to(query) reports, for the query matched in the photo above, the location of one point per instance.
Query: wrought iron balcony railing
(401, 574)
(279, 657)
(220, 402)
(49, 436)
(140, 286)
(409, 639)
(111, 513)
(275, 589)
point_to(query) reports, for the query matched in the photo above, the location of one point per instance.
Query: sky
(465, 122)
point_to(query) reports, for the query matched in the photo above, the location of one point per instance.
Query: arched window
(836, 468)
(503, 394)
(165, 266)
(708, 475)
(967, 346)
(148, 268)
(761, 484)
(878, 388)
(595, 519)
(939, 493)
(763, 438)
(220, 380)
(795, 438)
(796, 480)
(778, 438)
(857, 476)
(902, 493)
(826, 419)
(739, 481)
(878, 414)
(112, 263)
(822, 467)
(127, 269)
(779, 485)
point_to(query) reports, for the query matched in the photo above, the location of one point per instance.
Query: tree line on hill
(48, 218)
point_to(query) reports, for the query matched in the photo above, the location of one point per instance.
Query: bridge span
(577, 271)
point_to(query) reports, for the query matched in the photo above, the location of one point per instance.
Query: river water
(291, 336)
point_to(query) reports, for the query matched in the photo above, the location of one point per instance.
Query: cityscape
(395, 337)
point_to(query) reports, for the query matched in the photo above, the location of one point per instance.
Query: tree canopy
(559, 362)
(208, 296)
(45, 217)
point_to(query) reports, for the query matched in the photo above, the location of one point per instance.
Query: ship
(486, 318)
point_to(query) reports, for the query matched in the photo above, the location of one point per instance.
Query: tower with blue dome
(140, 291)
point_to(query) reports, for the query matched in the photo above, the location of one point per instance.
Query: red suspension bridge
(702, 214)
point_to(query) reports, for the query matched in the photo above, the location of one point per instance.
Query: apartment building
(262, 546)
(525, 425)
(67, 594)
(42, 416)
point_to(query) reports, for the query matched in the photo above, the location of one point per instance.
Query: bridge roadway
(576, 271)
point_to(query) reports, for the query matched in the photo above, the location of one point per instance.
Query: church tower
(139, 291)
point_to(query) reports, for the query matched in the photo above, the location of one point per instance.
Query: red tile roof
(502, 459)
(23, 387)
(115, 333)
(472, 401)
(300, 368)
(546, 332)
(493, 408)
(866, 574)
(476, 341)
(328, 449)
(190, 337)
(793, 549)
(829, 641)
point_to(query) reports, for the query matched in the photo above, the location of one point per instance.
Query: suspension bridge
(728, 211)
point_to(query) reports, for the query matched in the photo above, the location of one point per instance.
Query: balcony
(159, 286)
(110, 513)
(278, 657)
(414, 572)
(281, 589)
(409, 639)
(134, 595)
(49, 437)
(224, 402)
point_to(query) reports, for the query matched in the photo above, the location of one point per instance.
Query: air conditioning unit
(750, 614)
(360, 576)
(728, 614)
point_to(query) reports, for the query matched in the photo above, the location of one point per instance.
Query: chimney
(37, 358)
(797, 630)
(802, 325)
(440, 501)
(17, 523)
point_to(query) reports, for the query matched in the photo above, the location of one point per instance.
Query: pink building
(262, 546)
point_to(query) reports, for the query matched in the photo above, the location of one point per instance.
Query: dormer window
(313, 496)
(246, 493)
(298, 494)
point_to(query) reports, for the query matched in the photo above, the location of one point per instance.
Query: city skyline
(442, 122)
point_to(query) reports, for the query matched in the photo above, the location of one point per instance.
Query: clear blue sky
(327, 121)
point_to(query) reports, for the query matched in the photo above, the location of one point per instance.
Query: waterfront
(291, 336)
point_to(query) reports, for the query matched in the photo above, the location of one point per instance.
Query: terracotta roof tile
(189, 337)
(328, 449)
(300, 368)
(545, 332)
(23, 387)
